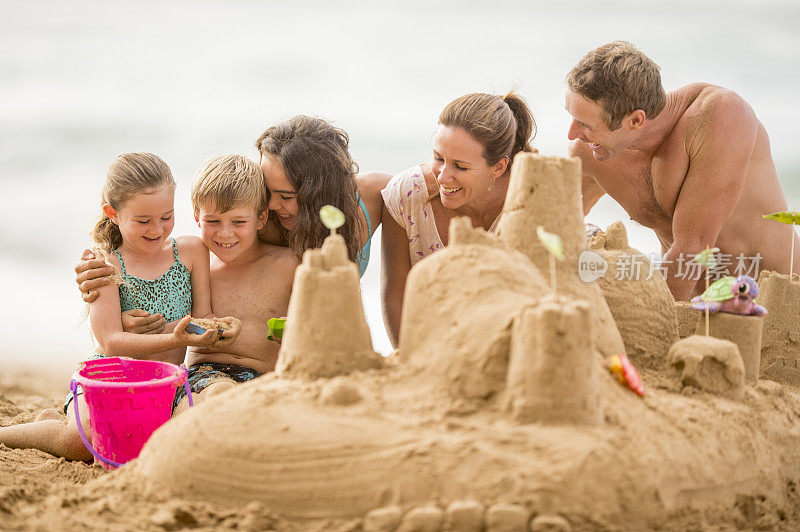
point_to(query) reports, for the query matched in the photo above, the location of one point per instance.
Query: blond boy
(250, 280)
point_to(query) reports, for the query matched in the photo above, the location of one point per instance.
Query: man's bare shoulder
(716, 112)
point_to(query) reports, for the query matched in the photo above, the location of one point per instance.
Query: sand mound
(780, 344)
(709, 364)
(687, 318)
(552, 345)
(636, 293)
(213, 323)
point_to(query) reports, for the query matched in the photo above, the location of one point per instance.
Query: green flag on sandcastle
(331, 217)
(787, 217)
(555, 250)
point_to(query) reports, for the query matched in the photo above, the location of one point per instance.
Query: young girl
(157, 274)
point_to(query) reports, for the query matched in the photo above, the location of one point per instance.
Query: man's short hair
(621, 79)
(228, 181)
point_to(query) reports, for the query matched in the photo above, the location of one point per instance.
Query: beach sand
(41, 492)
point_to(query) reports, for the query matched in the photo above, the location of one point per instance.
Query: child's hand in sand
(232, 328)
(206, 339)
(92, 273)
(139, 321)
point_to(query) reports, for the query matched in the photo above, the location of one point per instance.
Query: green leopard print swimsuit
(170, 294)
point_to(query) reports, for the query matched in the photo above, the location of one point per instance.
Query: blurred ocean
(83, 81)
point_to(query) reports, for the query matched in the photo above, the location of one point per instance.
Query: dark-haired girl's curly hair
(315, 158)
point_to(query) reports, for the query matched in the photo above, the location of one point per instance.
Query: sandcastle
(710, 364)
(497, 413)
(780, 341)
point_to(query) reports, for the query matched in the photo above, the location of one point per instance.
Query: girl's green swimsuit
(169, 295)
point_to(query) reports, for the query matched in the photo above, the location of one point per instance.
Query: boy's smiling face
(230, 234)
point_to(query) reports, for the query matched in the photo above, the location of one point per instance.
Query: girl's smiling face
(145, 220)
(282, 196)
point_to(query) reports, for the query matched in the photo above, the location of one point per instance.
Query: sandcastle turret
(780, 342)
(552, 370)
(546, 191)
(744, 331)
(326, 332)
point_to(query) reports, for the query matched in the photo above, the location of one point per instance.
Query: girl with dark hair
(306, 165)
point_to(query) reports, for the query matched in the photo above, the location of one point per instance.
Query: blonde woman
(477, 137)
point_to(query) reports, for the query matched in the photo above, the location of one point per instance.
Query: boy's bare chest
(247, 296)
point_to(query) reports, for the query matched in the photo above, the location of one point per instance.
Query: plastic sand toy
(128, 399)
(626, 374)
(733, 295)
(276, 326)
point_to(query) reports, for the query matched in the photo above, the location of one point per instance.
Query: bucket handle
(73, 386)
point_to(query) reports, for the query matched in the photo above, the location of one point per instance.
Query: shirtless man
(250, 280)
(694, 165)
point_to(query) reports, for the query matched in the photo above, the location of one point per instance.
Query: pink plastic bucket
(128, 399)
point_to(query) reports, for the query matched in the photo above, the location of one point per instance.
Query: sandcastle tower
(326, 332)
(636, 293)
(780, 344)
(710, 364)
(551, 372)
(744, 331)
(546, 191)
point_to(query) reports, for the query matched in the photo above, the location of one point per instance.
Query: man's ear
(637, 118)
(262, 220)
(110, 212)
(197, 219)
(500, 167)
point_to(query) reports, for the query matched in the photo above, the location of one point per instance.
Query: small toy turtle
(733, 295)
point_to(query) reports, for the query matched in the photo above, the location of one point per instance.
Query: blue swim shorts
(204, 374)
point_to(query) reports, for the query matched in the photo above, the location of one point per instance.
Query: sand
(214, 323)
(636, 293)
(495, 413)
